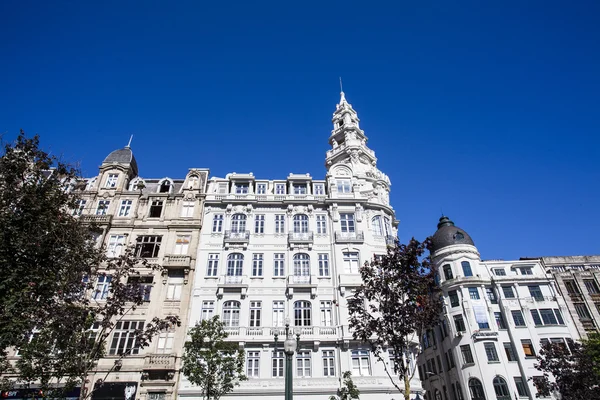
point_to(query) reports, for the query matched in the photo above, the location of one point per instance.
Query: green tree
(397, 301)
(49, 266)
(572, 371)
(348, 390)
(210, 362)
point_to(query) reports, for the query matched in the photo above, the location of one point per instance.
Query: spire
(445, 221)
(129, 143)
(342, 95)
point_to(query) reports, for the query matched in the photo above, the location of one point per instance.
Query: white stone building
(496, 315)
(273, 249)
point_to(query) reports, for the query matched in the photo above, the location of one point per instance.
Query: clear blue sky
(489, 111)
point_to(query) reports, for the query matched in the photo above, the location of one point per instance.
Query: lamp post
(290, 345)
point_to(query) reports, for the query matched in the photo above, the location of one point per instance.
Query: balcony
(96, 219)
(176, 261)
(302, 283)
(162, 362)
(235, 283)
(236, 238)
(260, 333)
(349, 237)
(390, 240)
(300, 238)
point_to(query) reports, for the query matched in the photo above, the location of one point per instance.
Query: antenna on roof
(129, 144)
(341, 87)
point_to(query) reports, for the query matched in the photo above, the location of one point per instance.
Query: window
(559, 317)
(450, 358)
(473, 293)
(521, 387)
(453, 295)
(300, 223)
(476, 389)
(489, 292)
(326, 313)
(501, 389)
(208, 310)
(255, 307)
(111, 181)
(156, 396)
(303, 364)
(582, 311)
(536, 292)
(279, 264)
(323, 264)
(510, 351)
(526, 271)
(518, 318)
(572, 287)
(490, 352)
(125, 208)
(278, 313)
(347, 223)
(147, 246)
(261, 188)
(448, 272)
(156, 208)
(238, 223)
(301, 264)
(124, 338)
(377, 226)
(79, 207)
(302, 313)
(280, 223)
(253, 361)
(459, 323)
(259, 224)
(361, 365)
(143, 284)
(175, 284)
(277, 363)
(536, 318)
(508, 292)
(299, 189)
(466, 267)
(499, 320)
(187, 209)
(102, 208)
(328, 363)
(319, 189)
(101, 288)
(344, 186)
(321, 224)
(165, 342)
(182, 244)
(467, 355)
(231, 313)
(217, 223)
(350, 263)
(242, 188)
(548, 316)
(165, 187)
(115, 245)
(528, 348)
(257, 264)
(212, 267)
(499, 272)
(591, 286)
(235, 264)
(280, 188)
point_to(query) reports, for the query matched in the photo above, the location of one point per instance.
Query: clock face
(459, 236)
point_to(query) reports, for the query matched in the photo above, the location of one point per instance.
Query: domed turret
(123, 156)
(447, 235)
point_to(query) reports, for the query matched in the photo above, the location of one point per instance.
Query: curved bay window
(302, 313)
(231, 313)
(377, 226)
(235, 264)
(238, 223)
(476, 389)
(301, 265)
(300, 223)
(501, 388)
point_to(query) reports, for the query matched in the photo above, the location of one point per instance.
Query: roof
(122, 156)
(447, 235)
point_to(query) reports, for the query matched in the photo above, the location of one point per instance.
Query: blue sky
(488, 111)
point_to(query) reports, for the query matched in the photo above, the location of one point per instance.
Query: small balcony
(236, 238)
(162, 362)
(302, 283)
(349, 237)
(96, 219)
(176, 261)
(300, 239)
(234, 283)
(390, 240)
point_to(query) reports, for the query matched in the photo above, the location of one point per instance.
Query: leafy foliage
(348, 390)
(210, 362)
(397, 301)
(575, 369)
(49, 266)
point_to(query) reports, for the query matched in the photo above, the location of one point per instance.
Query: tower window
(165, 187)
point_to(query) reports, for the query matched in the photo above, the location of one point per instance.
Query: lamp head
(289, 346)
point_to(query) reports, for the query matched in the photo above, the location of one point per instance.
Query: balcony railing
(97, 219)
(300, 237)
(300, 279)
(390, 240)
(177, 261)
(159, 362)
(233, 280)
(262, 332)
(349, 237)
(237, 237)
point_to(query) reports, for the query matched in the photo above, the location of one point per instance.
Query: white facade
(272, 250)
(496, 315)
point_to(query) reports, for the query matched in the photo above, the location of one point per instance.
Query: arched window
(235, 264)
(302, 313)
(438, 395)
(377, 226)
(447, 272)
(476, 389)
(165, 186)
(300, 223)
(501, 389)
(238, 223)
(466, 266)
(231, 313)
(388, 227)
(301, 264)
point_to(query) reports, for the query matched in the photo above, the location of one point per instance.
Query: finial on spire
(341, 87)
(129, 144)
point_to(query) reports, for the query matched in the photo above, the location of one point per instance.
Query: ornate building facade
(288, 250)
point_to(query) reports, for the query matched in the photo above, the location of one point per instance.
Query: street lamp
(290, 345)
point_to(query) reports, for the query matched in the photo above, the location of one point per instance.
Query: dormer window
(280, 188)
(165, 187)
(261, 188)
(242, 188)
(111, 181)
(319, 189)
(299, 189)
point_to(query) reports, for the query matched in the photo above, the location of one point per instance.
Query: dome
(122, 156)
(447, 235)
